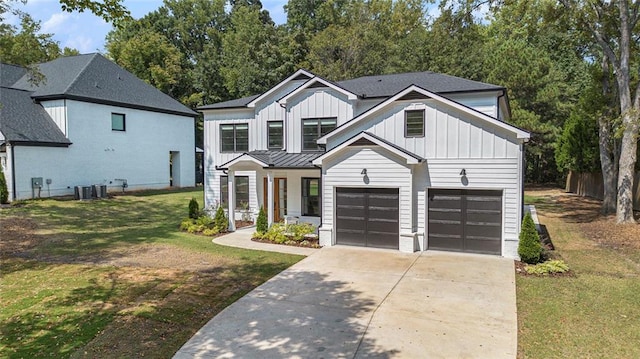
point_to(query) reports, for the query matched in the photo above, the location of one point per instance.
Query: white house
(90, 122)
(411, 161)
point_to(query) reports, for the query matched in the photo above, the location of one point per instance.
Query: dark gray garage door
(367, 217)
(465, 220)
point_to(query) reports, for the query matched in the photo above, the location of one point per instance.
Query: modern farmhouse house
(410, 161)
(90, 122)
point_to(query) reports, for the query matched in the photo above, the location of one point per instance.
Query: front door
(279, 198)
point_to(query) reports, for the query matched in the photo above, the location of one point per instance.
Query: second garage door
(465, 220)
(368, 217)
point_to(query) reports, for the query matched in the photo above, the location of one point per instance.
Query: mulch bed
(520, 270)
(242, 224)
(310, 243)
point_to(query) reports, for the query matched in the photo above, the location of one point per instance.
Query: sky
(86, 32)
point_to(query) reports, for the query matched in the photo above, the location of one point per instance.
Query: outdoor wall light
(364, 171)
(463, 172)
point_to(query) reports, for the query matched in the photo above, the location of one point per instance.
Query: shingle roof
(283, 159)
(9, 74)
(389, 85)
(23, 121)
(381, 86)
(93, 78)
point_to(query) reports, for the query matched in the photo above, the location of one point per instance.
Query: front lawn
(596, 312)
(115, 278)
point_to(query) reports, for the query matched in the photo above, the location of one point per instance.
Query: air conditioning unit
(86, 192)
(99, 190)
(77, 192)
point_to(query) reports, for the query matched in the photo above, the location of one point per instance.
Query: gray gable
(23, 121)
(237, 103)
(93, 78)
(389, 85)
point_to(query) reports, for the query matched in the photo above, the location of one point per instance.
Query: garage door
(465, 220)
(367, 217)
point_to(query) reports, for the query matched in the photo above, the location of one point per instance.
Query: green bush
(287, 234)
(194, 209)
(548, 267)
(529, 247)
(221, 222)
(261, 223)
(4, 192)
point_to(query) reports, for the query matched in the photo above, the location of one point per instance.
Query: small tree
(261, 224)
(4, 192)
(529, 247)
(194, 209)
(221, 222)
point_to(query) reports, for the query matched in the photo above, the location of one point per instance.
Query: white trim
(350, 95)
(518, 132)
(411, 160)
(276, 87)
(241, 159)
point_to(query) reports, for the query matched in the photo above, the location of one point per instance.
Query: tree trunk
(626, 170)
(607, 148)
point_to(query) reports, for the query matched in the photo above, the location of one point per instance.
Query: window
(311, 196)
(117, 122)
(314, 128)
(242, 191)
(275, 135)
(234, 137)
(414, 123)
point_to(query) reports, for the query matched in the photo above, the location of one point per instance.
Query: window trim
(224, 199)
(124, 122)
(318, 129)
(235, 140)
(406, 128)
(269, 135)
(302, 189)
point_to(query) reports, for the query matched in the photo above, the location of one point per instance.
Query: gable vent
(413, 95)
(301, 77)
(362, 142)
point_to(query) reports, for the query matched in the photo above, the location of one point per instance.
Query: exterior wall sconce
(365, 177)
(364, 171)
(463, 172)
(464, 180)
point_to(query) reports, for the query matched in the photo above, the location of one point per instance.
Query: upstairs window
(242, 192)
(275, 135)
(314, 128)
(414, 123)
(118, 122)
(234, 137)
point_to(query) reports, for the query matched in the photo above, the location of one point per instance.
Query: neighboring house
(411, 161)
(90, 122)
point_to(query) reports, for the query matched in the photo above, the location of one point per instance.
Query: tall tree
(612, 26)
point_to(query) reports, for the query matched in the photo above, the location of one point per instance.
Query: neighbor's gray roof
(23, 121)
(93, 78)
(381, 86)
(9, 74)
(283, 159)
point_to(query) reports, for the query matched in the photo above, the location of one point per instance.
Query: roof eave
(115, 103)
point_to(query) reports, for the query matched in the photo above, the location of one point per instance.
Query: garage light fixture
(463, 173)
(364, 171)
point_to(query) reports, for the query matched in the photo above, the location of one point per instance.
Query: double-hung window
(242, 191)
(118, 122)
(234, 137)
(414, 123)
(310, 196)
(314, 128)
(275, 135)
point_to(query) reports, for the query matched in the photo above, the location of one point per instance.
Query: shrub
(548, 267)
(194, 209)
(287, 234)
(221, 222)
(261, 224)
(210, 231)
(4, 192)
(529, 247)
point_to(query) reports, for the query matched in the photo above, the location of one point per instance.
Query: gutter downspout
(284, 127)
(13, 172)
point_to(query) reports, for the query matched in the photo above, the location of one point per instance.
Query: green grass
(54, 302)
(593, 314)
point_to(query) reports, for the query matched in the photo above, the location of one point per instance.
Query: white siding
(384, 170)
(99, 155)
(485, 102)
(58, 112)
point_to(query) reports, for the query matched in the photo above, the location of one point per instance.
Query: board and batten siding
(384, 170)
(57, 110)
(314, 103)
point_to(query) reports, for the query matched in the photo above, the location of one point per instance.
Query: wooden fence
(591, 185)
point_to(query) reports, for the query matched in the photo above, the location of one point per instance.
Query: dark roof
(9, 74)
(23, 121)
(283, 159)
(237, 103)
(381, 86)
(389, 85)
(93, 78)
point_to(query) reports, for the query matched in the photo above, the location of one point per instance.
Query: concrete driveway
(344, 302)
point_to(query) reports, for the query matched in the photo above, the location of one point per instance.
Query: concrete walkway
(241, 238)
(345, 302)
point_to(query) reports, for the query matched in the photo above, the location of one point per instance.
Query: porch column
(231, 200)
(270, 197)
